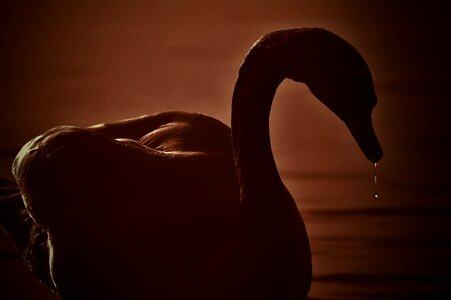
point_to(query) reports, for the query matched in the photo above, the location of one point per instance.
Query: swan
(171, 206)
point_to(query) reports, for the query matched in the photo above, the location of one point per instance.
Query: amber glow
(94, 62)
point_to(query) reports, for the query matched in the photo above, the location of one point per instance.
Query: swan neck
(252, 99)
(268, 212)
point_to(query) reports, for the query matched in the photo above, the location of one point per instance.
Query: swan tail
(26, 235)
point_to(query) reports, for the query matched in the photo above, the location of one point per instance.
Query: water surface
(375, 249)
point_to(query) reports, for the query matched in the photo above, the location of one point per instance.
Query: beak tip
(375, 155)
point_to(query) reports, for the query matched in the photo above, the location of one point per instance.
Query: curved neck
(267, 64)
(252, 99)
(270, 219)
(264, 199)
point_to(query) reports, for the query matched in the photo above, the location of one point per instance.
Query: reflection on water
(362, 249)
(374, 250)
(360, 254)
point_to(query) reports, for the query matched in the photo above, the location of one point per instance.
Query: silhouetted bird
(152, 207)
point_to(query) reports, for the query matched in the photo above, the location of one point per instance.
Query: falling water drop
(375, 194)
(374, 173)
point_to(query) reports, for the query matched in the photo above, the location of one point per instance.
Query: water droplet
(375, 194)
(374, 173)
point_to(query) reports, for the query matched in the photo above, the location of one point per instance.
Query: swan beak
(363, 132)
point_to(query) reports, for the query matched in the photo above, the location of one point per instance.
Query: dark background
(88, 62)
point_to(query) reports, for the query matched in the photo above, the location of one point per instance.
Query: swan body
(171, 207)
(131, 206)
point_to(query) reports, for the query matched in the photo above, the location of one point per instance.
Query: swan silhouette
(161, 206)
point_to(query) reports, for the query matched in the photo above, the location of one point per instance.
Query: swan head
(339, 77)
